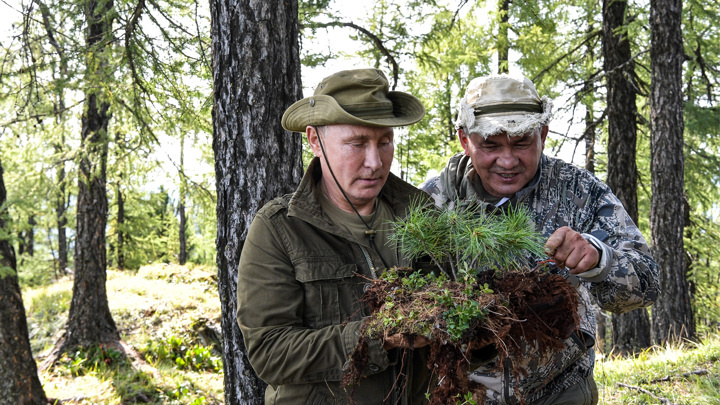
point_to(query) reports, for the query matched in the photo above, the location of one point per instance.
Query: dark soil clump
(462, 320)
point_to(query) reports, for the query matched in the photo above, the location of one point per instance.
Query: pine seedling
(468, 236)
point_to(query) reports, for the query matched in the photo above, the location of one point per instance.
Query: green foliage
(173, 349)
(150, 230)
(83, 360)
(461, 316)
(684, 374)
(46, 314)
(409, 307)
(469, 237)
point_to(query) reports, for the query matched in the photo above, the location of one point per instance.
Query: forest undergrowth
(166, 313)
(170, 314)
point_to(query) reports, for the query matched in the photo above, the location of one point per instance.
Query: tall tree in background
(503, 40)
(631, 331)
(90, 321)
(182, 234)
(672, 314)
(256, 76)
(19, 382)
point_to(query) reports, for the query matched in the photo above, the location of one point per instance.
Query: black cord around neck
(369, 233)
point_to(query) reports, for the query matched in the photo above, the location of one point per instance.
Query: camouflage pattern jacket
(626, 278)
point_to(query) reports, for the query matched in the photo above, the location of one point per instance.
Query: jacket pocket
(331, 292)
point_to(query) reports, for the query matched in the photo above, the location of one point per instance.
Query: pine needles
(469, 237)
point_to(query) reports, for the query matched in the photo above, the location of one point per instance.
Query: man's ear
(464, 140)
(543, 134)
(312, 137)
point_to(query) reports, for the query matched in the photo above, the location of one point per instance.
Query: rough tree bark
(19, 382)
(89, 320)
(672, 314)
(631, 331)
(256, 76)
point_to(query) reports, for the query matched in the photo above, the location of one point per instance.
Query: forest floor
(170, 314)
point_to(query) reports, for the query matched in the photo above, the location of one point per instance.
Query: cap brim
(325, 110)
(511, 123)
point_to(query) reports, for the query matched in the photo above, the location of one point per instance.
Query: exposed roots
(533, 306)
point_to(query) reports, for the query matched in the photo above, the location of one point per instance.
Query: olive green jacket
(300, 283)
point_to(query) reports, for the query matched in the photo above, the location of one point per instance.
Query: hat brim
(325, 110)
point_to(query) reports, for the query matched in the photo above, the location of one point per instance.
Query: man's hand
(568, 248)
(399, 340)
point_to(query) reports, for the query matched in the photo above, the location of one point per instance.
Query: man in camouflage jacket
(502, 126)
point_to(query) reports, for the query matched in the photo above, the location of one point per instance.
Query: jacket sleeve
(627, 277)
(281, 349)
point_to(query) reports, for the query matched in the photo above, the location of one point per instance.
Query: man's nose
(372, 157)
(507, 158)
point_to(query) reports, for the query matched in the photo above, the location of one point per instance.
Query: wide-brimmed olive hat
(502, 104)
(356, 97)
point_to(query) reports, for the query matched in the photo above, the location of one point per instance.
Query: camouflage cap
(356, 97)
(502, 103)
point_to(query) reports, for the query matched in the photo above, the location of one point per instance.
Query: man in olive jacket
(309, 254)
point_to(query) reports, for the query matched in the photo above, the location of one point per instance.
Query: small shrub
(173, 349)
(83, 360)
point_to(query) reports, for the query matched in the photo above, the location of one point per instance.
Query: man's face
(505, 164)
(360, 157)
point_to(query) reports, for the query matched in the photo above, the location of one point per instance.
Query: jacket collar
(304, 203)
(459, 169)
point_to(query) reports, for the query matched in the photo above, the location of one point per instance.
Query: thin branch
(45, 12)
(41, 116)
(374, 38)
(644, 391)
(129, 29)
(616, 68)
(683, 375)
(457, 12)
(559, 59)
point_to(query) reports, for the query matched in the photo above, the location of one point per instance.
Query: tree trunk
(256, 74)
(89, 320)
(26, 238)
(120, 229)
(672, 314)
(631, 331)
(19, 382)
(30, 236)
(60, 208)
(182, 235)
(503, 40)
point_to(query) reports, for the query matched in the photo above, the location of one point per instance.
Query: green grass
(681, 374)
(161, 310)
(164, 312)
